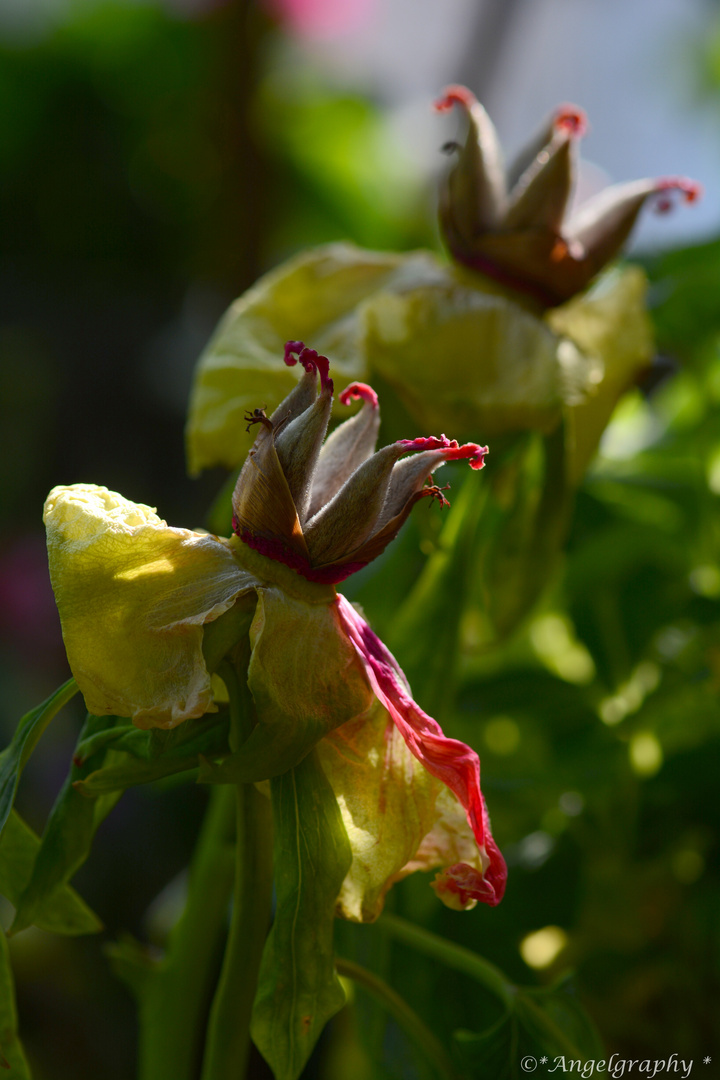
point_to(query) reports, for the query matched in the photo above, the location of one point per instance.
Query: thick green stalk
(454, 956)
(228, 1040)
(174, 1000)
(420, 1035)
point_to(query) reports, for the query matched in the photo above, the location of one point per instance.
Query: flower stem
(454, 956)
(421, 1036)
(174, 1002)
(228, 1039)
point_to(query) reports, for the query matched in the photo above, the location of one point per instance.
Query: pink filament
(451, 761)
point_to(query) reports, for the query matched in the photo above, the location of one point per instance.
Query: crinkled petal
(450, 760)
(387, 800)
(449, 840)
(609, 323)
(305, 679)
(314, 296)
(133, 595)
(466, 361)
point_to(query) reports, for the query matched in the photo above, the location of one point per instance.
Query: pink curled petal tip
(455, 95)
(359, 391)
(290, 348)
(429, 442)
(688, 190)
(461, 886)
(309, 359)
(450, 448)
(572, 119)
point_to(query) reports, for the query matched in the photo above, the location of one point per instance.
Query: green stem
(228, 1040)
(173, 1007)
(454, 956)
(420, 1036)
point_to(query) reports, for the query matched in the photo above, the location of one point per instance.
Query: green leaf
(153, 754)
(64, 912)
(68, 836)
(548, 1022)
(24, 741)
(134, 964)
(544, 1021)
(11, 1051)
(298, 988)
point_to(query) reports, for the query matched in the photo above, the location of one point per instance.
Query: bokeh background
(157, 156)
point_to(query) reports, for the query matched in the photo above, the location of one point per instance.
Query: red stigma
(455, 95)
(689, 191)
(571, 119)
(359, 391)
(78, 760)
(311, 360)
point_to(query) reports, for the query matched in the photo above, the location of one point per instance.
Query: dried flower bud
(513, 227)
(327, 508)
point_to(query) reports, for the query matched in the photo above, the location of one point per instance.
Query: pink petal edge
(311, 360)
(451, 761)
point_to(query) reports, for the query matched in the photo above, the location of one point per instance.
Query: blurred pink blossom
(321, 18)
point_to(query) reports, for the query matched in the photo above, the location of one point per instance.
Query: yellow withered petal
(314, 297)
(610, 323)
(133, 596)
(387, 800)
(468, 361)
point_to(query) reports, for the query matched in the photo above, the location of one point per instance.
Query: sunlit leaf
(24, 741)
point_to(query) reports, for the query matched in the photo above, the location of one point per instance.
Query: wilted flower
(135, 594)
(514, 227)
(509, 363)
(328, 510)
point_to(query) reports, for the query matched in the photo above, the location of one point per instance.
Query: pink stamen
(359, 391)
(689, 191)
(571, 119)
(435, 492)
(309, 359)
(455, 95)
(451, 450)
(451, 761)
